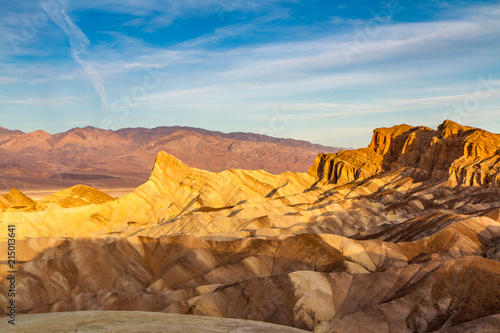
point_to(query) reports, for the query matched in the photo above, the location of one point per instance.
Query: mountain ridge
(114, 159)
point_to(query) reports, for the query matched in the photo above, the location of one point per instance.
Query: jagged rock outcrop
(463, 155)
(172, 190)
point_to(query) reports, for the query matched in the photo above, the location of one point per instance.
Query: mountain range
(400, 236)
(124, 158)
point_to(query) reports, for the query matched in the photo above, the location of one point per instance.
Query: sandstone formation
(75, 196)
(464, 155)
(124, 158)
(15, 199)
(406, 247)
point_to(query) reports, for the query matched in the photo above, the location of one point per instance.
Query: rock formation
(75, 196)
(372, 240)
(463, 155)
(15, 199)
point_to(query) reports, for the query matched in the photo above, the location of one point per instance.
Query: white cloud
(47, 101)
(7, 80)
(79, 44)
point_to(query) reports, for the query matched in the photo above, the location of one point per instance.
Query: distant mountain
(7, 135)
(124, 158)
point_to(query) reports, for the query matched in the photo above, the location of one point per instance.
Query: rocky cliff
(463, 155)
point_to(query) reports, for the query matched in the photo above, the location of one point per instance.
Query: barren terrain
(401, 236)
(105, 159)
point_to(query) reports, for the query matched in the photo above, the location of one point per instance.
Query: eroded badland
(401, 236)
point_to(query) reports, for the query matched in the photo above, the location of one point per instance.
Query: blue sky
(323, 71)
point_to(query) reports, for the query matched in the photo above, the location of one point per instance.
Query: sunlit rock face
(15, 199)
(401, 236)
(464, 155)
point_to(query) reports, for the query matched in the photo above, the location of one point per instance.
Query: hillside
(380, 239)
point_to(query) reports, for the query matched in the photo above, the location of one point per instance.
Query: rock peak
(168, 166)
(74, 196)
(450, 128)
(39, 133)
(165, 158)
(15, 198)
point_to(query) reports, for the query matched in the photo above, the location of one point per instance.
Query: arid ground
(401, 236)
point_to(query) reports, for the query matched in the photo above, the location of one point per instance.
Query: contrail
(79, 43)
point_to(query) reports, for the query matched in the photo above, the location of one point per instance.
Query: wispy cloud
(52, 102)
(400, 42)
(79, 43)
(7, 80)
(237, 30)
(155, 14)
